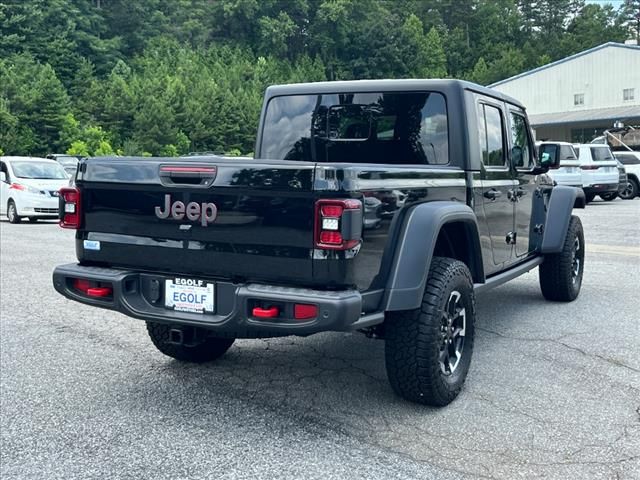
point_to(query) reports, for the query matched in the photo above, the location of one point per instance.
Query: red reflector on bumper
(265, 312)
(82, 285)
(99, 291)
(302, 311)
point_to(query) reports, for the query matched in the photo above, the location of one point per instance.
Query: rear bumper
(601, 188)
(132, 296)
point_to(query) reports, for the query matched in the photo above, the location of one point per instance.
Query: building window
(578, 99)
(628, 94)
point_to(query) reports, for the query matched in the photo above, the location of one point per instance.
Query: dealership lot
(553, 391)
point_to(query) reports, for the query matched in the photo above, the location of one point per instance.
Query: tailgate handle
(197, 176)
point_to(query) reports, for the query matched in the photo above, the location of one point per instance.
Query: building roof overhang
(624, 114)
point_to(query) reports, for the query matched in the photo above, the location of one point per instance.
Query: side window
(520, 144)
(491, 135)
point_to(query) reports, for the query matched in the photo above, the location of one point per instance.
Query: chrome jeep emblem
(206, 213)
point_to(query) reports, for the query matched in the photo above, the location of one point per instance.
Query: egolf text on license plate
(189, 295)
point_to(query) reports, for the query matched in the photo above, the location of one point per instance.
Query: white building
(576, 98)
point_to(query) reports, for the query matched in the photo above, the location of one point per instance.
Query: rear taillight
(70, 207)
(17, 186)
(338, 224)
(589, 167)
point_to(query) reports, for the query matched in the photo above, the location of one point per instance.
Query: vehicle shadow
(323, 372)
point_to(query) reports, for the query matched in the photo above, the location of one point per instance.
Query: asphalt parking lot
(553, 391)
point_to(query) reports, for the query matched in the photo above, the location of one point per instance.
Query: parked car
(599, 170)
(210, 249)
(29, 187)
(68, 162)
(569, 172)
(631, 162)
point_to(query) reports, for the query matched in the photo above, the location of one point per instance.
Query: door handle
(492, 194)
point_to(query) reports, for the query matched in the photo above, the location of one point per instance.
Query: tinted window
(491, 135)
(401, 128)
(520, 147)
(600, 154)
(38, 170)
(628, 159)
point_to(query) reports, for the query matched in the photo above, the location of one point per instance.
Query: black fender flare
(415, 246)
(561, 203)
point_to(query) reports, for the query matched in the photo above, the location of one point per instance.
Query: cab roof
(447, 86)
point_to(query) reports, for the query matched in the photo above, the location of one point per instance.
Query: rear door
(239, 219)
(497, 179)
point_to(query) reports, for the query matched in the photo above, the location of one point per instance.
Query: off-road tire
(559, 281)
(631, 191)
(414, 338)
(211, 348)
(12, 213)
(607, 197)
(588, 197)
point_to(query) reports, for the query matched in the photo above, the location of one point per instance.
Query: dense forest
(157, 77)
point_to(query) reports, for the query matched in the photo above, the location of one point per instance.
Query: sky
(615, 3)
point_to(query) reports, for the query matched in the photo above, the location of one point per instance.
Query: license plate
(189, 295)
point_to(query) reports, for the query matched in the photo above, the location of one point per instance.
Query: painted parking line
(624, 250)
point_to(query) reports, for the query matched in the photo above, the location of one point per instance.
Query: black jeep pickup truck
(378, 206)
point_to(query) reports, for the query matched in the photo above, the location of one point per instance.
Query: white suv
(569, 172)
(631, 162)
(599, 170)
(29, 187)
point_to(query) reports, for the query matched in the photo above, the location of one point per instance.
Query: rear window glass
(400, 128)
(567, 153)
(601, 153)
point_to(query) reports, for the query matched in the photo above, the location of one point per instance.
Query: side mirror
(549, 156)
(3, 177)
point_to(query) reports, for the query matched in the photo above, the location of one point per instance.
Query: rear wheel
(607, 197)
(561, 273)
(187, 344)
(12, 212)
(589, 197)
(428, 350)
(630, 190)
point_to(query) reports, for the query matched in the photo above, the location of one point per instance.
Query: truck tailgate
(263, 225)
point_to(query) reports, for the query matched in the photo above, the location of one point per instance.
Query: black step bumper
(337, 310)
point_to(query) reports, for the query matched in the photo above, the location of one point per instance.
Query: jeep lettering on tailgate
(205, 212)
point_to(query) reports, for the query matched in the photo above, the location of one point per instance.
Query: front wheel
(428, 350)
(561, 273)
(195, 344)
(12, 213)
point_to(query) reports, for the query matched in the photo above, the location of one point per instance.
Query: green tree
(37, 99)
